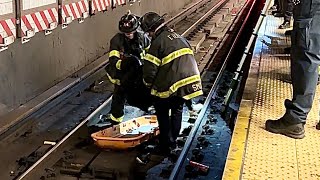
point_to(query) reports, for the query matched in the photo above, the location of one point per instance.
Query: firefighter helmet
(151, 21)
(128, 23)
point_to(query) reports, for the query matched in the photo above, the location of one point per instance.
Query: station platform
(255, 153)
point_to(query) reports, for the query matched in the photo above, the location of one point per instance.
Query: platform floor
(254, 152)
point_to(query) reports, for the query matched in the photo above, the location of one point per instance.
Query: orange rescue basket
(127, 134)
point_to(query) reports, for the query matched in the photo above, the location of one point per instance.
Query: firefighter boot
(280, 126)
(105, 120)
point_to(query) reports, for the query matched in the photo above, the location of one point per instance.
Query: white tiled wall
(29, 4)
(6, 7)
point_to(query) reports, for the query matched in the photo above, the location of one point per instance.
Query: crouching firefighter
(124, 70)
(171, 72)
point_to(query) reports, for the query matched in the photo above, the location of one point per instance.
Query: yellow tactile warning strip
(255, 153)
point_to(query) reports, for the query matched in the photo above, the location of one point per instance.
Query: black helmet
(128, 23)
(151, 21)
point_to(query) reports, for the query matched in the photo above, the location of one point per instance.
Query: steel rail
(54, 99)
(254, 34)
(214, 8)
(64, 139)
(179, 16)
(175, 172)
(31, 168)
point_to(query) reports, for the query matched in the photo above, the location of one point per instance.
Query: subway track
(75, 157)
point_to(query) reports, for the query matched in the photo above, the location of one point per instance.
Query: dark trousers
(118, 101)
(133, 91)
(287, 9)
(280, 4)
(305, 59)
(189, 104)
(169, 125)
(276, 3)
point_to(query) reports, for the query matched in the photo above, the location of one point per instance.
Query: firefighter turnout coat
(170, 68)
(120, 48)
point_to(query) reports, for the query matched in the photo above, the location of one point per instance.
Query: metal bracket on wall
(28, 35)
(67, 21)
(84, 15)
(51, 27)
(6, 41)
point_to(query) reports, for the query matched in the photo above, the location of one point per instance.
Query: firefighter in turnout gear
(124, 70)
(171, 73)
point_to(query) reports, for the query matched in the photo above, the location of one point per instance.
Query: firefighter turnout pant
(169, 125)
(117, 105)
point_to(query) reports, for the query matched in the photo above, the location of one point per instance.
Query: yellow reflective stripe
(147, 48)
(114, 53)
(153, 59)
(192, 95)
(118, 65)
(176, 54)
(114, 81)
(116, 119)
(176, 86)
(145, 83)
(142, 54)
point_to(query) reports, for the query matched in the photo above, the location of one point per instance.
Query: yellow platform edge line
(235, 158)
(236, 152)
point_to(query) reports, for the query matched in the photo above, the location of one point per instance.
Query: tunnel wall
(27, 70)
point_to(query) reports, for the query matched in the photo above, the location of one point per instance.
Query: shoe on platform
(280, 126)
